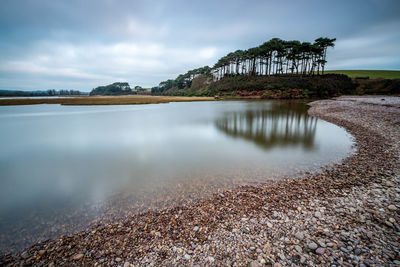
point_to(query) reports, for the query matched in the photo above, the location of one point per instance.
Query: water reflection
(275, 125)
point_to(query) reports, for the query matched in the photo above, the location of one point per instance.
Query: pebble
(312, 246)
(210, 259)
(77, 257)
(392, 207)
(298, 249)
(187, 257)
(299, 235)
(320, 251)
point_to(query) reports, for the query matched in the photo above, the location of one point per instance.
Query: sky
(81, 44)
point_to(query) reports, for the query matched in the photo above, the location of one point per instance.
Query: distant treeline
(51, 92)
(118, 88)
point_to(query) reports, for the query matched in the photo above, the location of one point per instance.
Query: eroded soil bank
(346, 215)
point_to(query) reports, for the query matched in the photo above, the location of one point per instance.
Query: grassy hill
(372, 74)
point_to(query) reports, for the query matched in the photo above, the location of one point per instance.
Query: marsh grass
(102, 100)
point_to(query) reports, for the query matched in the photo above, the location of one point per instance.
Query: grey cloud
(81, 44)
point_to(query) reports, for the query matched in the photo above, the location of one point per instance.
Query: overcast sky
(81, 44)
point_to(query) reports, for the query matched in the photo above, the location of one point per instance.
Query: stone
(318, 214)
(269, 224)
(298, 249)
(25, 255)
(195, 229)
(42, 252)
(187, 257)
(118, 259)
(320, 251)
(312, 246)
(392, 207)
(210, 259)
(77, 257)
(299, 235)
(254, 264)
(357, 251)
(389, 224)
(277, 265)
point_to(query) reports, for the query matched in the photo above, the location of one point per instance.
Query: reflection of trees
(278, 124)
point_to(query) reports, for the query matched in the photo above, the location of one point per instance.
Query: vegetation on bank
(119, 88)
(102, 100)
(371, 74)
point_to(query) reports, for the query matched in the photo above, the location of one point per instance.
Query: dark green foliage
(321, 86)
(113, 89)
(182, 81)
(379, 86)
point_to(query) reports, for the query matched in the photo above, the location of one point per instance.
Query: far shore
(102, 100)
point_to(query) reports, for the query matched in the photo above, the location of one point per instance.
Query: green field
(372, 74)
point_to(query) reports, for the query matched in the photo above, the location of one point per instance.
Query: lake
(63, 168)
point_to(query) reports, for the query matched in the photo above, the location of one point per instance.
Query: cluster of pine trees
(274, 57)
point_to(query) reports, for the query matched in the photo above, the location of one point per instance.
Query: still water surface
(64, 167)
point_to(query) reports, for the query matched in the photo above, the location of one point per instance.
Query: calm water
(64, 167)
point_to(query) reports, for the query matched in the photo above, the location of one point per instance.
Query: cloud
(82, 44)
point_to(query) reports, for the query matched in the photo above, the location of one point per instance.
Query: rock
(42, 252)
(77, 257)
(320, 251)
(187, 257)
(302, 259)
(298, 249)
(195, 229)
(392, 207)
(262, 261)
(25, 255)
(357, 251)
(299, 235)
(118, 259)
(312, 246)
(269, 224)
(318, 214)
(277, 265)
(210, 259)
(389, 224)
(392, 220)
(254, 264)
(344, 250)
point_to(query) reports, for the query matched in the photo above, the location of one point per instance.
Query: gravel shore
(346, 215)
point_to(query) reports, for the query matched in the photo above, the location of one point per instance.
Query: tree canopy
(119, 88)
